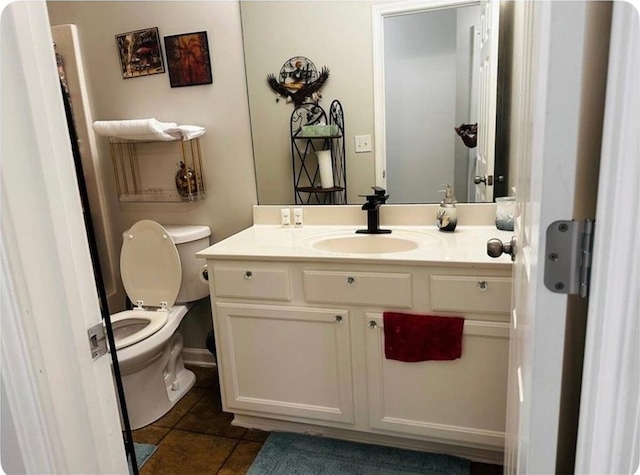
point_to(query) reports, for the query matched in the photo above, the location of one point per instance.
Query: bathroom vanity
(298, 318)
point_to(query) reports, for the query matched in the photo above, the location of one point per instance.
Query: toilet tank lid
(181, 233)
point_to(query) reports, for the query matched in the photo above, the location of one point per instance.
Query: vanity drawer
(454, 293)
(253, 283)
(358, 288)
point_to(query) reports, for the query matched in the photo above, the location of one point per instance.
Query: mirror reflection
(339, 35)
(430, 87)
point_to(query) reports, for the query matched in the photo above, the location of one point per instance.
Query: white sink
(366, 244)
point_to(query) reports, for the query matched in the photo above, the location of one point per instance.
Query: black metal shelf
(306, 172)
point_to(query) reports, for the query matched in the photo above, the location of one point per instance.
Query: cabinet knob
(350, 280)
(483, 285)
(248, 274)
(338, 319)
(372, 324)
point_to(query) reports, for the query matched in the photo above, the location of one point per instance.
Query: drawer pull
(350, 280)
(338, 319)
(248, 274)
(483, 285)
(372, 324)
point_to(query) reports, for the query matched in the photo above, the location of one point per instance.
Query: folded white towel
(185, 132)
(146, 129)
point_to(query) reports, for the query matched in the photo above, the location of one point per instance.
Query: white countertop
(466, 245)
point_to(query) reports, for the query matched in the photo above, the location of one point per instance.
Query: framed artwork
(188, 59)
(140, 53)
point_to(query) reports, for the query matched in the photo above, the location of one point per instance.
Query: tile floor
(196, 436)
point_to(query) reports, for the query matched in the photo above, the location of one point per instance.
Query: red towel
(422, 337)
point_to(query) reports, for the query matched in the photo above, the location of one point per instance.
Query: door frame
(608, 434)
(608, 431)
(63, 404)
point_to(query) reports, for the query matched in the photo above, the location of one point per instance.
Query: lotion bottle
(447, 217)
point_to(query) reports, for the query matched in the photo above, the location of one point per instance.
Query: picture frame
(188, 59)
(140, 53)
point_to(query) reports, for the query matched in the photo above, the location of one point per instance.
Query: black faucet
(372, 207)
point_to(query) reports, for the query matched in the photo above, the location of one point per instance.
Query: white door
(62, 403)
(488, 86)
(553, 116)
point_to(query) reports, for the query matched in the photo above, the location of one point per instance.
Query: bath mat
(143, 452)
(301, 454)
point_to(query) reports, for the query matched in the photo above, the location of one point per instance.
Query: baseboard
(198, 357)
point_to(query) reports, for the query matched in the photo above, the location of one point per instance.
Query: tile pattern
(196, 436)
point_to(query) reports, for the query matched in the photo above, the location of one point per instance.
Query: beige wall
(220, 107)
(333, 34)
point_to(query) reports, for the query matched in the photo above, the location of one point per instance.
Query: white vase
(326, 170)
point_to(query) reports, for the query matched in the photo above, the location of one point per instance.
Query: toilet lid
(150, 265)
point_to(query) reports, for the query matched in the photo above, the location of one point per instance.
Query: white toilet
(161, 275)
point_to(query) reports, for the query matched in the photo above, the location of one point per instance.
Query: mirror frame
(378, 14)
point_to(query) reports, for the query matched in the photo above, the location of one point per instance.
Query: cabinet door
(461, 400)
(285, 361)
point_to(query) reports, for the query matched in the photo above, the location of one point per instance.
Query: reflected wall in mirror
(338, 35)
(430, 85)
(435, 68)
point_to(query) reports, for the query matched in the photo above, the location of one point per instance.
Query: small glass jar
(505, 212)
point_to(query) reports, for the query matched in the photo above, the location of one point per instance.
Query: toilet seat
(150, 265)
(151, 274)
(132, 326)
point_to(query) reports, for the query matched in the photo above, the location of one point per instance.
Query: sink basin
(366, 244)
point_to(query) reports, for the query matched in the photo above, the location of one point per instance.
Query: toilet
(161, 276)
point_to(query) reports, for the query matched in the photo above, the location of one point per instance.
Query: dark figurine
(468, 133)
(186, 180)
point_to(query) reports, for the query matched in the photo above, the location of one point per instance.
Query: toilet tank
(190, 239)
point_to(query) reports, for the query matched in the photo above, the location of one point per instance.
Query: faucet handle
(379, 194)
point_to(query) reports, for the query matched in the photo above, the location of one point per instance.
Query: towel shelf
(158, 171)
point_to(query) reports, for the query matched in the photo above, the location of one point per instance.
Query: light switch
(363, 143)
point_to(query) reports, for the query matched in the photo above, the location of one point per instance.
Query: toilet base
(144, 411)
(152, 391)
(185, 380)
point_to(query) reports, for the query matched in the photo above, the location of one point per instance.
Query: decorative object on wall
(140, 53)
(298, 80)
(188, 59)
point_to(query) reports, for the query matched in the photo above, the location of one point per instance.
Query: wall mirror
(376, 51)
(435, 68)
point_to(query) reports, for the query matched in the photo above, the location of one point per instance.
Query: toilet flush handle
(204, 274)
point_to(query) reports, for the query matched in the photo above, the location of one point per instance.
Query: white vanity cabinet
(279, 360)
(286, 361)
(301, 344)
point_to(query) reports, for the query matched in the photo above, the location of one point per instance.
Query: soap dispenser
(447, 217)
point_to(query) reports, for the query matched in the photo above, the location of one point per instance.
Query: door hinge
(569, 250)
(97, 340)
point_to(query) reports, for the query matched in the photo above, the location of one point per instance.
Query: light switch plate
(363, 143)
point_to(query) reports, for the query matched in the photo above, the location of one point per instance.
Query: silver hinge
(569, 252)
(97, 340)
